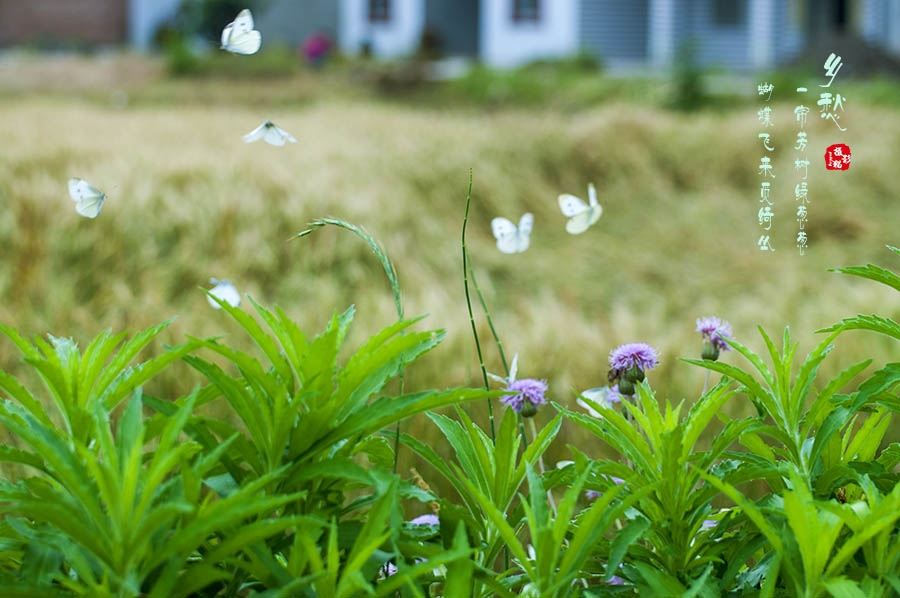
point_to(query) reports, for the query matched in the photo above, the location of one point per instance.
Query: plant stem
(391, 273)
(541, 462)
(466, 261)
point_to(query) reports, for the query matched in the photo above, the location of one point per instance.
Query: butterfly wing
(287, 135)
(592, 195)
(226, 34)
(506, 234)
(239, 37)
(273, 135)
(257, 133)
(243, 23)
(225, 291)
(596, 208)
(570, 205)
(581, 215)
(247, 43)
(598, 395)
(523, 235)
(88, 199)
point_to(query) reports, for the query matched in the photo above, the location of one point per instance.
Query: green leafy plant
(484, 471)
(662, 461)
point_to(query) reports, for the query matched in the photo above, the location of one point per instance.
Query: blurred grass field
(187, 200)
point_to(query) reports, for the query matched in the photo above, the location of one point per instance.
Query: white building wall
(762, 23)
(661, 33)
(505, 43)
(145, 16)
(893, 27)
(390, 39)
(874, 21)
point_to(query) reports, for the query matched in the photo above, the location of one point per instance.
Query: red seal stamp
(838, 156)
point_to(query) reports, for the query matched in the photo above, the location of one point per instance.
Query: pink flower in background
(316, 48)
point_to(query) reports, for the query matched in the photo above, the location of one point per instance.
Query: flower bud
(710, 352)
(529, 409)
(634, 374)
(626, 386)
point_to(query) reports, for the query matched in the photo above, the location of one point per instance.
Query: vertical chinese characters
(829, 104)
(801, 165)
(766, 214)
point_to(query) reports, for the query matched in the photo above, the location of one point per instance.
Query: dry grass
(188, 200)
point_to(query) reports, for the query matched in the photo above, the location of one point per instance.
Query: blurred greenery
(273, 61)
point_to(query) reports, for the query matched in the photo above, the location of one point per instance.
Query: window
(379, 11)
(526, 11)
(729, 13)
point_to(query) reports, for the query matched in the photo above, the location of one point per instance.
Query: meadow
(188, 200)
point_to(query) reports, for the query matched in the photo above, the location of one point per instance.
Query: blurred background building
(740, 35)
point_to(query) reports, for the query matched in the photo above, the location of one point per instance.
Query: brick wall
(62, 21)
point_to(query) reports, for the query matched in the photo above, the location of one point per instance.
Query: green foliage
(485, 471)
(273, 60)
(123, 505)
(288, 488)
(689, 92)
(665, 466)
(109, 517)
(81, 383)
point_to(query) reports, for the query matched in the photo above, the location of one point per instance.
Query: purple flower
(614, 396)
(426, 519)
(595, 494)
(708, 524)
(387, 570)
(527, 390)
(714, 331)
(641, 355)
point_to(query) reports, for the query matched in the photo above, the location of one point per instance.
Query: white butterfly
(225, 291)
(581, 215)
(513, 369)
(88, 199)
(270, 133)
(512, 239)
(600, 394)
(239, 36)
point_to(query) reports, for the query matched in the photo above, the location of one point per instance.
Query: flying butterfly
(512, 238)
(225, 291)
(88, 199)
(602, 395)
(239, 36)
(581, 215)
(270, 133)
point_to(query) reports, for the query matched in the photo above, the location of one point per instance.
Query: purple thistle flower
(527, 389)
(714, 331)
(641, 355)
